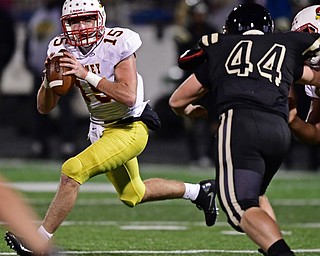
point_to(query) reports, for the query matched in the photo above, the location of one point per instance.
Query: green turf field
(101, 225)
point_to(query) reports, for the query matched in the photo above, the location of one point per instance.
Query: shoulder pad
(208, 40)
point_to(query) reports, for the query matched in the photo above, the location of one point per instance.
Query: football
(59, 83)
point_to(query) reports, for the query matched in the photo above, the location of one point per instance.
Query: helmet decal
(307, 20)
(318, 13)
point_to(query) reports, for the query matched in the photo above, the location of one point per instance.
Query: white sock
(44, 232)
(192, 191)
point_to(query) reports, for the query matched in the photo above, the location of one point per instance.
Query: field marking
(185, 252)
(171, 252)
(172, 225)
(52, 187)
(153, 227)
(101, 187)
(236, 233)
(296, 202)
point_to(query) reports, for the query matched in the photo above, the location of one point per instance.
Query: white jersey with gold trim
(116, 45)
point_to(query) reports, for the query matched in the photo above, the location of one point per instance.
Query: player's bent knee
(73, 169)
(235, 226)
(130, 204)
(130, 200)
(132, 195)
(235, 219)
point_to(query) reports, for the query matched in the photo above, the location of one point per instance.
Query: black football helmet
(246, 17)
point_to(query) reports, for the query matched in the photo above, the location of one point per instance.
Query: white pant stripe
(226, 121)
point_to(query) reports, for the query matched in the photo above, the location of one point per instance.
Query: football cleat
(205, 201)
(16, 244)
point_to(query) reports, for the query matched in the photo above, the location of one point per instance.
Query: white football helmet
(78, 8)
(307, 20)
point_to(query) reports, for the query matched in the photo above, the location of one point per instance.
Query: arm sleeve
(201, 74)
(192, 59)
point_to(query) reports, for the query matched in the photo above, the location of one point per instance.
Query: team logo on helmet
(318, 13)
(100, 4)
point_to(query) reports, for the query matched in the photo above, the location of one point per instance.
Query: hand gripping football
(59, 83)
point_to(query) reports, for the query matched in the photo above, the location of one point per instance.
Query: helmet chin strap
(86, 48)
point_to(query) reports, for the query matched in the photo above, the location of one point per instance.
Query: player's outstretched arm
(188, 92)
(307, 131)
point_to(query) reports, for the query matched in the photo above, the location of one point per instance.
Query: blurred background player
(199, 132)
(15, 213)
(8, 41)
(43, 26)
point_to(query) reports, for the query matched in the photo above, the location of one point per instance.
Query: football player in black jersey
(249, 70)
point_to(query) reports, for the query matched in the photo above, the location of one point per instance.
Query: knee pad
(132, 195)
(73, 169)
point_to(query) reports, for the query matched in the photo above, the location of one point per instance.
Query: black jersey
(254, 71)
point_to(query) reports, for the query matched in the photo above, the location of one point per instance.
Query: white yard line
(185, 252)
(52, 187)
(171, 225)
(177, 252)
(100, 187)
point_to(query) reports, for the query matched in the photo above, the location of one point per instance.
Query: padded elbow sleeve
(192, 59)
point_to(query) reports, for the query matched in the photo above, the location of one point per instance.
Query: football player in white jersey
(104, 62)
(308, 20)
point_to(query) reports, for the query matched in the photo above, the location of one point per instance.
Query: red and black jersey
(254, 71)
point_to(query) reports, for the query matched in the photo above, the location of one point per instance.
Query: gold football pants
(115, 155)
